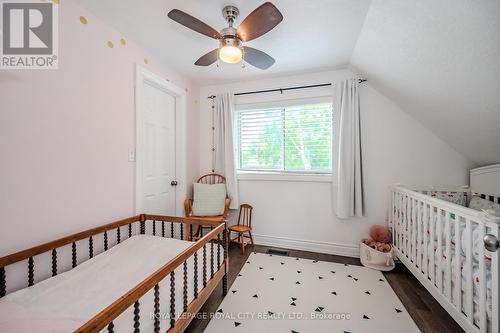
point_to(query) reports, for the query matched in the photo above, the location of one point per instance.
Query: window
(287, 139)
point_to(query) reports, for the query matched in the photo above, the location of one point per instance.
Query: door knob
(173, 183)
(491, 243)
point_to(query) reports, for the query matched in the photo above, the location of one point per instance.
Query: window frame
(274, 174)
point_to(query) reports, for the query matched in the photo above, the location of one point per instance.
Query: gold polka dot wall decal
(146, 61)
(110, 44)
(122, 41)
(83, 20)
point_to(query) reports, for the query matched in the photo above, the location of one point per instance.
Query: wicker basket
(371, 258)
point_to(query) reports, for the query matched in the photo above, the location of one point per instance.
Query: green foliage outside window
(297, 138)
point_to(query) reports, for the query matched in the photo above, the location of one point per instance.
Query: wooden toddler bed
(143, 280)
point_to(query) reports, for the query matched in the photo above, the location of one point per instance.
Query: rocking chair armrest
(227, 203)
(188, 211)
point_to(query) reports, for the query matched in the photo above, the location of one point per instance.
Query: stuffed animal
(380, 238)
(381, 234)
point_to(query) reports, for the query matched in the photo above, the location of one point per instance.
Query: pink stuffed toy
(381, 234)
(380, 238)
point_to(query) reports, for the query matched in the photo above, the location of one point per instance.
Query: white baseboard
(348, 250)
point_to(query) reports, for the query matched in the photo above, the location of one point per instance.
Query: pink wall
(65, 135)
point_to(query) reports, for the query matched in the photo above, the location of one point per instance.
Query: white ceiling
(313, 35)
(440, 61)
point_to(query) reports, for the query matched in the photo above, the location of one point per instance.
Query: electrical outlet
(131, 155)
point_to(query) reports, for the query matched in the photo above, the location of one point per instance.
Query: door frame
(143, 75)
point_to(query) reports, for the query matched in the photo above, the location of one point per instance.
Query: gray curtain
(347, 167)
(224, 145)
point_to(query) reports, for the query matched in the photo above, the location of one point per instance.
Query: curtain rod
(283, 89)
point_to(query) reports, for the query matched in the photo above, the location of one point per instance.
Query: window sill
(283, 176)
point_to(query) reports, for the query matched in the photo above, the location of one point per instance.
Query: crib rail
(53, 247)
(132, 298)
(214, 270)
(441, 243)
(87, 234)
(438, 188)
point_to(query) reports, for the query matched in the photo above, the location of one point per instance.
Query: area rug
(284, 294)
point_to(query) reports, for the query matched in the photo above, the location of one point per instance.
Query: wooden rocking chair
(211, 178)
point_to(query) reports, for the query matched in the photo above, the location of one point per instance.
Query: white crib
(436, 238)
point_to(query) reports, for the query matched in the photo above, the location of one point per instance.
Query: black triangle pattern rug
(285, 294)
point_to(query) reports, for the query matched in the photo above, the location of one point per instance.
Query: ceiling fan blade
(258, 58)
(193, 23)
(260, 21)
(208, 58)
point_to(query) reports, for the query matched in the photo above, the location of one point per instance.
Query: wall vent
(278, 252)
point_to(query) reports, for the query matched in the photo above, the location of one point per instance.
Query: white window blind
(288, 139)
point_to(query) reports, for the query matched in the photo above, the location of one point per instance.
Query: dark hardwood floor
(422, 307)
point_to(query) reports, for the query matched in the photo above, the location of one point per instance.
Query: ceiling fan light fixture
(230, 54)
(259, 22)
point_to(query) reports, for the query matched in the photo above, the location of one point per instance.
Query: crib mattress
(65, 302)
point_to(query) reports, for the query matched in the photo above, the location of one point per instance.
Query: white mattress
(65, 302)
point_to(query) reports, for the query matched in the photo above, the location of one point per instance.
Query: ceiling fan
(257, 23)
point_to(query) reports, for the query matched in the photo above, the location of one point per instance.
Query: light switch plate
(131, 155)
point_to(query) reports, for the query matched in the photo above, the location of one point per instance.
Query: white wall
(298, 214)
(66, 134)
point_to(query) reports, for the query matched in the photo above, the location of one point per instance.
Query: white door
(158, 151)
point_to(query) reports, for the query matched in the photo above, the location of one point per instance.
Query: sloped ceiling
(440, 61)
